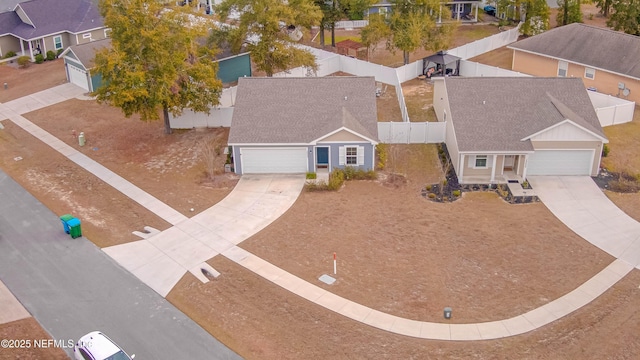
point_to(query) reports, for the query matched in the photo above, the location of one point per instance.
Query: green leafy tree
(156, 61)
(537, 17)
(355, 9)
(604, 6)
(569, 12)
(412, 25)
(263, 25)
(375, 32)
(625, 16)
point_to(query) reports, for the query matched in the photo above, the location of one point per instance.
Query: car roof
(100, 346)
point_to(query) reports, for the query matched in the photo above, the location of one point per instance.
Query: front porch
(491, 169)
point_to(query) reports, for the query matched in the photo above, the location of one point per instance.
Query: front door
(508, 162)
(322, 157)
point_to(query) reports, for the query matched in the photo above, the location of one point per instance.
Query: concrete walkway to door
(580, 204)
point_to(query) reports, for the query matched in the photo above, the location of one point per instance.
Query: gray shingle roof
(495, 114)
(51, 17)
(596, 47)
(301, 110)
(86, 52)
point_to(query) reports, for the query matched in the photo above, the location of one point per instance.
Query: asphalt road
(71, 287)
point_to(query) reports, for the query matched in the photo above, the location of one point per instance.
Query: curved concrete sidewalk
(255, 202)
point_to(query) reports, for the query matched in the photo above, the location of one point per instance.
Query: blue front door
(322, 157)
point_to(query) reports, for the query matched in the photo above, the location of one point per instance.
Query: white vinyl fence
(612, 110)
(351, 24)
(412, 132)
(487, 44)
(218, 117)
(474, 69)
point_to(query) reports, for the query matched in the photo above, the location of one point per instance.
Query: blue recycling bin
(65, 218)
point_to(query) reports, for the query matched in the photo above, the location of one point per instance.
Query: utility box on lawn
(64, 218)
(74, 228)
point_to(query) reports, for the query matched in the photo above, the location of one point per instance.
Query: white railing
(412, 133)
(351, 24)
(612, 110)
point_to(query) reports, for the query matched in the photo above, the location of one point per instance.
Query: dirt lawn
(28, 330)
(397, 251)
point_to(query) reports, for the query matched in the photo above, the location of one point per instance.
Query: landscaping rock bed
(618, 182)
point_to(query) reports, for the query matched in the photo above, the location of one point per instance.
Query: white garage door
(78, 76)
(273, 160)
(560, 162)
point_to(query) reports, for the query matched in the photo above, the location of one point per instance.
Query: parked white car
(97, 346)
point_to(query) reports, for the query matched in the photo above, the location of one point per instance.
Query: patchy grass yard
(418, 96)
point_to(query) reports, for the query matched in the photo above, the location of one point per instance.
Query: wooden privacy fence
(412, 132)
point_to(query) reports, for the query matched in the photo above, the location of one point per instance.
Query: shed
(352, 48)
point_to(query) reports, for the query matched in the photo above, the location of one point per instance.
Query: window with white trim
(563, 66)
(86, 36)
(481, 162)
(590, 73)
(351, 155)
(57, 42)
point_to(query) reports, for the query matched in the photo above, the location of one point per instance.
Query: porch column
(524, 168)
(461, 167)
(22, 46)
(493, 167)
(31, 51)
(477, 6)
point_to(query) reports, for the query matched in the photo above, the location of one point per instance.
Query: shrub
(311, 176)
(428, 187)
(39, 59)
(383, 153)
(59, 52)
(51, 55)
(336, 179)
(432, 196)
(624, 186)
(456, 193)
(10, 54)
(605, 150)
(24, 61)
(316, 186)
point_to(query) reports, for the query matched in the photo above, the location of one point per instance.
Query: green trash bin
(64, 218)
(74, 228)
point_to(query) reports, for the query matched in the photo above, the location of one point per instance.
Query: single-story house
(461, 10)
(79, 63)
(37, 26)
(298, 125)
(501, 129)
(605, 60)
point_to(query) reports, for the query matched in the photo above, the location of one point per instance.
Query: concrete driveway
(580, 204)
(162, 259)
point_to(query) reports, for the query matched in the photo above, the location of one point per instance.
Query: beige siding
(9, 43)
(95, 35)
(23, 17)
(578, 145)
(605, 82)
(443, 113)
(342, 136)
(563, 132)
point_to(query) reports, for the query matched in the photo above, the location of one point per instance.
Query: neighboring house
(298, 125)
(78, 62)
(501, 129)
(607, 61)
(461, 10)
(38, 26)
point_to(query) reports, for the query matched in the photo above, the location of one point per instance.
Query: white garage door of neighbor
(273, 160)
(78, 76)
(560, 162)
